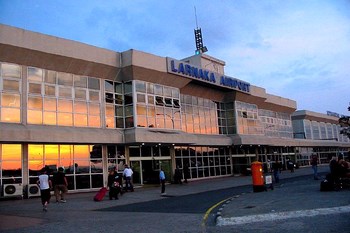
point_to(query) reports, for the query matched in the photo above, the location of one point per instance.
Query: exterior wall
(230, 127)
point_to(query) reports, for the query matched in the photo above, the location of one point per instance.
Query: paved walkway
(16, 214)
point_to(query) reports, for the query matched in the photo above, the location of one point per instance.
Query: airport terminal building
(88, 109)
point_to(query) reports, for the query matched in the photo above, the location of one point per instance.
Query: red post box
(258, 177)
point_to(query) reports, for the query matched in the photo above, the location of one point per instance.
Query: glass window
(10, 115)
(109, 86)
(65, 79)
(109, 110)
(34, 117)
(167, 91)
(80, 81)
(11, 85)
(128, 99)
(65, 105)
(94, 121)
(34, 88)
(140, 86)
(94, 96)
(65, 119)
(141, 98)
(51, 77)
(127, 87)
(109, 98)
(50, 90)
(141, 110)
(150, 88)
(35, 103)
(80, 120)
(80, 107)
(158, 89)
(49, 118)
(35, 74)
(94, 109)
(80, 93)
(65, 92)
(150, 99)
(119, 99)
(10, 100)
(50, 104)
(93, 83)
(10, 71)
(118, 88)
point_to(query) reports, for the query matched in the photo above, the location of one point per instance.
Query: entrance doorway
(147, 171)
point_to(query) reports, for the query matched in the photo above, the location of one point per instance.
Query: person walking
(162, 181)
(314, 162)
(186, 173)
(60, 185)
(127, 174)
(45, 185)
(177, 176)
(276, 168)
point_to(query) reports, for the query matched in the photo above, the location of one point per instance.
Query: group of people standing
(58, 183)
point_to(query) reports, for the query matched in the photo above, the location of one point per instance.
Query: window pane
(65, 105)
(80, 81)
(65, 79)
(94, 83)
(65, 119)
(127, 87)
(10, 100)
(140, 86)
(50, 77)
(80, 107)
(35, 103)
(34, 117)
(35, 74)
(80, 120)
(34, 88)
(141, 110)
(109, 110)
(10, 85)
(94, 96)
(94, 121)
(50, 90)
(11, 152)
(109, 86)
(10, 70)
(51, 152)
(50, 104)
(80, 93)
(94, 109)
(81, 152)
(141, 98)
(118, 88)
(110, 123)
(10, 115)
(49, 118)
(65, 92)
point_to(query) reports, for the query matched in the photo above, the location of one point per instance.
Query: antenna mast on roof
(198, 37)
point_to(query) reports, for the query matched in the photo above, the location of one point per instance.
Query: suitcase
(326, 185)
(100, 194)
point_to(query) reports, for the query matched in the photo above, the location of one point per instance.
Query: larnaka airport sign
(187, 70)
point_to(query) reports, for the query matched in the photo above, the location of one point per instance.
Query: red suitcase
(100, 194)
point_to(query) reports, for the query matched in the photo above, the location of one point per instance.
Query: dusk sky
(296, 49)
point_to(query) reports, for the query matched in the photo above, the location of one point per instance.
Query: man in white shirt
(127, 174)
(45, 185)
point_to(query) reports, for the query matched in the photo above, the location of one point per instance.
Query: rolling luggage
(326, 185)
(100, 194)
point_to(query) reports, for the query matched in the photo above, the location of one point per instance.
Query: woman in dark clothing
(113, 185)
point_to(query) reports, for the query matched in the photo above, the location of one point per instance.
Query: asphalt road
(196, 207)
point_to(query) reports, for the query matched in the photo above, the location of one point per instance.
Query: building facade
(88, 109)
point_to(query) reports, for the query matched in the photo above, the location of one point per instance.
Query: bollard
(258, 177)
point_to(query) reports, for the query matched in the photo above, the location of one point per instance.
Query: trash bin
(258, 177)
